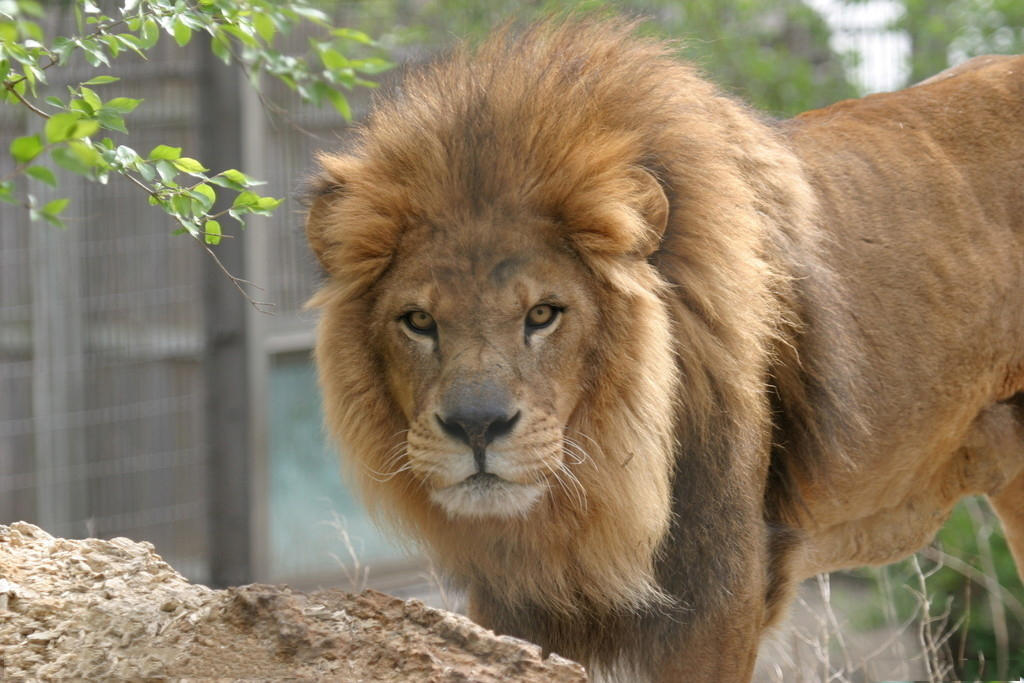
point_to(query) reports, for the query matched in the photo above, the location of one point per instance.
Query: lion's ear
(652, 204)
(325, 190)
(627, 214)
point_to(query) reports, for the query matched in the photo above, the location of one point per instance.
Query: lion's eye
(419, 322)
(541, 316)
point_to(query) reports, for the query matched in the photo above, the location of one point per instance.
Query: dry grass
(917, 631)
(357, 574)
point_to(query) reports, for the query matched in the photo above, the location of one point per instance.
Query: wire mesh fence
(100, 341)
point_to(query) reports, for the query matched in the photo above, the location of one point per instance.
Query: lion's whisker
(574, 449)
(572, 488)
(558, 479)
(577, 486)
(382, 477)
(596, 447)
(392, 456)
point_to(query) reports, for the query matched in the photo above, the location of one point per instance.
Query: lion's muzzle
(476, 413)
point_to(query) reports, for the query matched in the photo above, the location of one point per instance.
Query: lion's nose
(477, 425)
(481, 427)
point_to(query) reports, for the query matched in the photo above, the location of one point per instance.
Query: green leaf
(353, 35)
(150, 34)
(163, 152)
(224, 182)
(221, 46)
(182, 33)
(146, 171)
(42, 174)
(314, 15)
(94, 53)
(82, 107)
(265, 27)
(87, 154)
(32, 7)
(55, 207)
(63, 47)
(67, 160)
(26, 148)
(131, 42)
(33, 74)
(265, 206)
(126, 157)
(32, 29)
(340, 103)
(237, 176)
(122, 105)
(113, 44)
(188, 165)
(51, 219)
(60, 126)
(332, 59)
(372, 65)
(84, 128)
(234, 178)
(101, 80)
(267, 203)
(182, 205)
(167, 172)
(7, 192)
(111, 121)
(245, 200)
(212, 232)
(193, 21)
(243, 33)
(206, 196)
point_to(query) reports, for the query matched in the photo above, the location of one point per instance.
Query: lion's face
(484, 333)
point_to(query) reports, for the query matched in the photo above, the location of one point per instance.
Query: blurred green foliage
(774, 55)
(943, 32)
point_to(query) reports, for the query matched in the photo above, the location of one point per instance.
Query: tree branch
(10, 87)
(261, 306)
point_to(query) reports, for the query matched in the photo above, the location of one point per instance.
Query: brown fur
(782, 351)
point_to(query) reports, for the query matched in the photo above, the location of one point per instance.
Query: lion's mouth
(487, 495)
(483, 479)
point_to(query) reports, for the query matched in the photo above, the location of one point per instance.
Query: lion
(631, 361)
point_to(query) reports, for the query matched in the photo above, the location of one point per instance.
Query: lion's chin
(487, 495)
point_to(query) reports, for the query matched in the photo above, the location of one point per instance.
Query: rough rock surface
(114, 609)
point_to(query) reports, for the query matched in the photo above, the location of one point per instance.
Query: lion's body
(922, 193)
(630, 362)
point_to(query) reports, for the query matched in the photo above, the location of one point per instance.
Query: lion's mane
(558, 118)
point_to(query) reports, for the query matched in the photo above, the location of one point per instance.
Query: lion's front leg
(722, 651)
(656, 647)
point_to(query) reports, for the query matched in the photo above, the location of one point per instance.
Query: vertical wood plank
(225, 361)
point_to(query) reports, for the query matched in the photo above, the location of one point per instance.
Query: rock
(114, 609)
